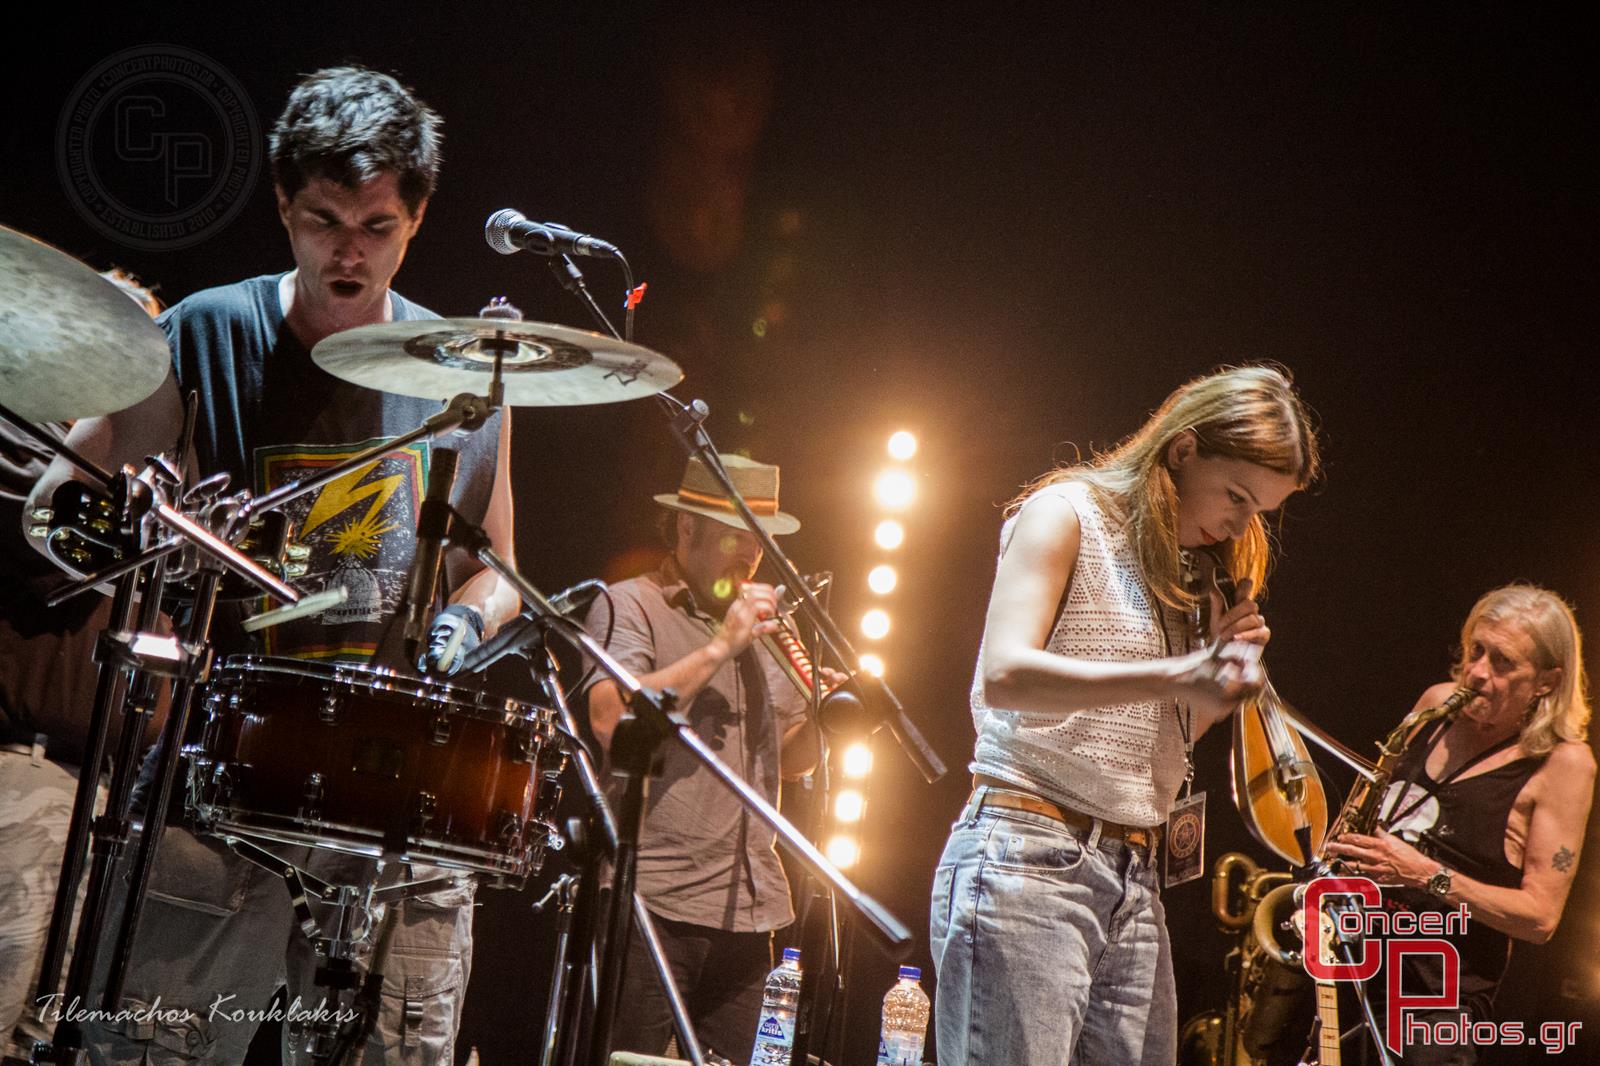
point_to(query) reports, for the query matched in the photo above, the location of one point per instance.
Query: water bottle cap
(910, 973)
(791, 954)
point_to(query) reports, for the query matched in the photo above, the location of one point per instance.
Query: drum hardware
(440, 735)
(426, 806)
(339, 940)
(507, 827)
(140, 503)
(563, 893)
(311, 808)
(328, 709)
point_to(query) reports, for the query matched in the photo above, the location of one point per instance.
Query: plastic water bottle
(775, 1033)
(905, 1021)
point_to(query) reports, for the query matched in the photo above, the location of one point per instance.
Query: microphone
(433, 526)
(523, 633)
(508, 231)
(570, 601)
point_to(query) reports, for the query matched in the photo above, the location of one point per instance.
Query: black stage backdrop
(1013, 237)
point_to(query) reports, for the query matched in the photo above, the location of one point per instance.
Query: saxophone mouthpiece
(1458, 699)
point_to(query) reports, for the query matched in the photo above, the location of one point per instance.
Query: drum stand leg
(563, 894)
(338, 1030)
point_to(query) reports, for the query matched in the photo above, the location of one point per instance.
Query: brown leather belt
(1005, 794)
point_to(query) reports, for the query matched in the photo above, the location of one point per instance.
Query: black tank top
(1462, 824)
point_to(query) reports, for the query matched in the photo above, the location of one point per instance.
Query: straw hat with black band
(700, 493)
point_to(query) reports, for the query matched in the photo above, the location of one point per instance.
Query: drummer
(355, 157)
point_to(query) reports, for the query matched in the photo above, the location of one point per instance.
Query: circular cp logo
(158, 147)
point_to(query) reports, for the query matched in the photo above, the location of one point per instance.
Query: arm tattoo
(1562, 860)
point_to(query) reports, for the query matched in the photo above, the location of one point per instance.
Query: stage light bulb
(849, 805)
(875, 624)
(895, 489)
(882, 579)
(857, 760)
(872, 664)
(902, 446)
(889, 534)
(843, 851)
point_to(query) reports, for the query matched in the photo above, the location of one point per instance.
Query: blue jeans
(1051, 947)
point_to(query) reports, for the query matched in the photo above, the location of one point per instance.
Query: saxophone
(1360, 811)
(1266, 970)
(1265, 988)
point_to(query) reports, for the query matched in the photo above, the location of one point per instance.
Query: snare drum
(371, 762)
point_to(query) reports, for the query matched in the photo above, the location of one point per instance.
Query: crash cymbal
(72, 344)
(544, 365)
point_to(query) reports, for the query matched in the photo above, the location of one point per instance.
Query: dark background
(1013, 237)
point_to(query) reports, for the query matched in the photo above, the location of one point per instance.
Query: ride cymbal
(72, 344)
(543, 365)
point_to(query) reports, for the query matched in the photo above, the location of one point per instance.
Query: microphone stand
(567, 997)
(688, 426)
(879, 704)
(633, 750)
(819, 1013)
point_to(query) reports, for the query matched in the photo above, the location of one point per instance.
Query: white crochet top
(1123, 762)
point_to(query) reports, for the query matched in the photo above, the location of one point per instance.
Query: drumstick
(315, 603)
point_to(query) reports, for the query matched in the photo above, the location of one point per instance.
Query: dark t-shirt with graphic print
(269, 415)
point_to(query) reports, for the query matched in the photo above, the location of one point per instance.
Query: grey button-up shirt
(703, 858)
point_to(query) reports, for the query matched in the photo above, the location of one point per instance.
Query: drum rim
(383, 678)
(228, 821)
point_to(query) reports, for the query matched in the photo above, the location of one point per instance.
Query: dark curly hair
(350, 124)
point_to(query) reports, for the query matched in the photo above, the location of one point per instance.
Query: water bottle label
(775, 1028)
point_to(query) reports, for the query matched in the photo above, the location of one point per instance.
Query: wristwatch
(1439, 883)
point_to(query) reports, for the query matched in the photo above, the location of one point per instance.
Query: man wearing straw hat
(708, 870)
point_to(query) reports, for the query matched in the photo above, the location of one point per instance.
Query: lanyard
(1431, 789)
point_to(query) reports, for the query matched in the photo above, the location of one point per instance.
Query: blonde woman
(1489, 808)
(1047, 927)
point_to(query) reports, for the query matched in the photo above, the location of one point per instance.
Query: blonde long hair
(1548, 621)
(1246, 412)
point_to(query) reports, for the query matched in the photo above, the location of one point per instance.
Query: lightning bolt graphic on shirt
(344, 493)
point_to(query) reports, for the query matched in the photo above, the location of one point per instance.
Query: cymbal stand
(137, 657)
(130, 662)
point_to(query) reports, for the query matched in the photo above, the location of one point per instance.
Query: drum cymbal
(72, 344)
(543, 365)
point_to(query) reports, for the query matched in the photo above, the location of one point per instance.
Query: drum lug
(507, 826)
(423, 811)
(311, 797)
(332, 704)
(440, 735)
(525, 748)
(549, 794)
